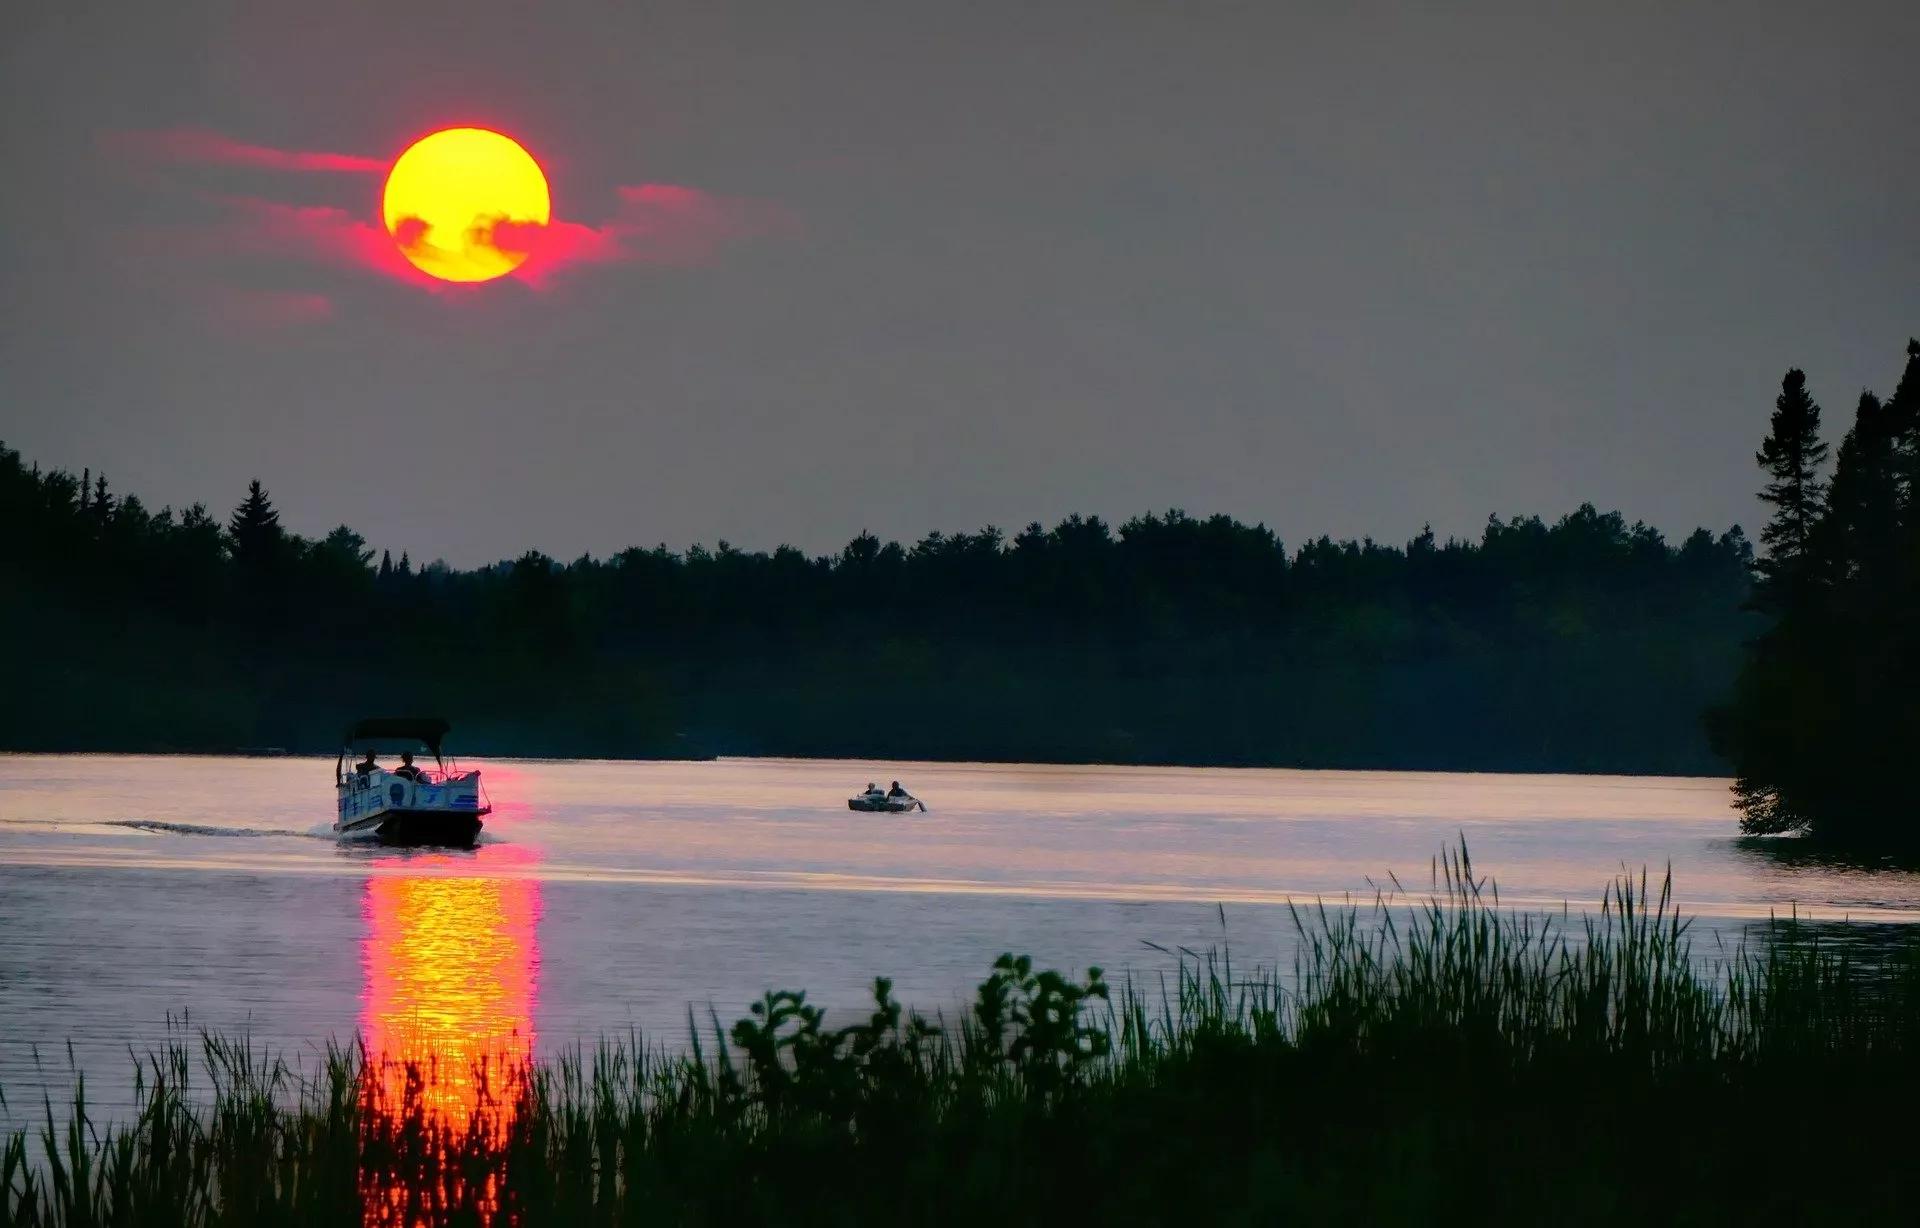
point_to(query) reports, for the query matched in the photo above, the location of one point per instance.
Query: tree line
(1824, 719)
(1582, 643)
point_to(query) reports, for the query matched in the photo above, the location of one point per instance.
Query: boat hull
(869, 806)
(412, 828)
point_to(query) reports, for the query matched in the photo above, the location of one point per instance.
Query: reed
(1428, 1058)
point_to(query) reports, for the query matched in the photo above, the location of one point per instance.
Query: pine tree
(1792, 455)
(102, 504)
(253, 532)
(1859, 542)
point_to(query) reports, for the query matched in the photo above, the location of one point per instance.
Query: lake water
(610, 897)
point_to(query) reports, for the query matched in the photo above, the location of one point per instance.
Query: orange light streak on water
(452, 960)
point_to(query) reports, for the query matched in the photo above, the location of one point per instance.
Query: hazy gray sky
(1344, 268)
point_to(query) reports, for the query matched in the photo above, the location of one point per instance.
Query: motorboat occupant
(366, 766)
(406, 767)
(895, 801)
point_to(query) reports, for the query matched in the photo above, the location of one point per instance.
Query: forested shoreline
(1587, 643)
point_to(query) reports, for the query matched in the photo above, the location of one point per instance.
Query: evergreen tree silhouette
(1792, 454)
(100, 508)
(253, 531)
(262, 561)
(1861, 532)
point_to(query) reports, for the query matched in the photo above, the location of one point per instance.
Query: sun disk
(462, 203)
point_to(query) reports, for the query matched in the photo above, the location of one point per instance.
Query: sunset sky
(819, 268)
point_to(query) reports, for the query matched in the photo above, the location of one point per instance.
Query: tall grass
(1441, 1059)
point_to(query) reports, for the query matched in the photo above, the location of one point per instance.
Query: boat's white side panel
(364, 801)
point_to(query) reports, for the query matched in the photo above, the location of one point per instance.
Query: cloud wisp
(658, 224)
(200, 147)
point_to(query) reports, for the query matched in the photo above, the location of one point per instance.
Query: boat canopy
(429, 730)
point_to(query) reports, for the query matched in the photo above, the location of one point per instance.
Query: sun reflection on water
(451, 957)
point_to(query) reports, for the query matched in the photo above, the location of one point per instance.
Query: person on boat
(406, 767)
(896, 793)
(365, 766)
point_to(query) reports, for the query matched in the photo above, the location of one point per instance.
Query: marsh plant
(1427, 1059)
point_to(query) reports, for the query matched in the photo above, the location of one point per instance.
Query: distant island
(1587, 643)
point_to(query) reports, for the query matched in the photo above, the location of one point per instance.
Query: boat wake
(319, 831)
(196, 829)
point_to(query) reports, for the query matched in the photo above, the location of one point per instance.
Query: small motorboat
(873, 801)
(407, 804)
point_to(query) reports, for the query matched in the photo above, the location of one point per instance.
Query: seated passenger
(406, 767)
(365, 766)
(896, 792)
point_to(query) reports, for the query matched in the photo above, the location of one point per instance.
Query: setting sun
(463, 203)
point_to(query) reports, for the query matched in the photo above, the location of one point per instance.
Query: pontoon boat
(406, 805)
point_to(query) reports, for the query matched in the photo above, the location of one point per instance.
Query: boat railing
(385, 785)
(449, 774)
(426, 776)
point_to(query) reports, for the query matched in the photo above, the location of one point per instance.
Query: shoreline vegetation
(1589, 643)
(1423, 1061)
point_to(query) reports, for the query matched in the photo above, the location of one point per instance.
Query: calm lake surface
(610, 897)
